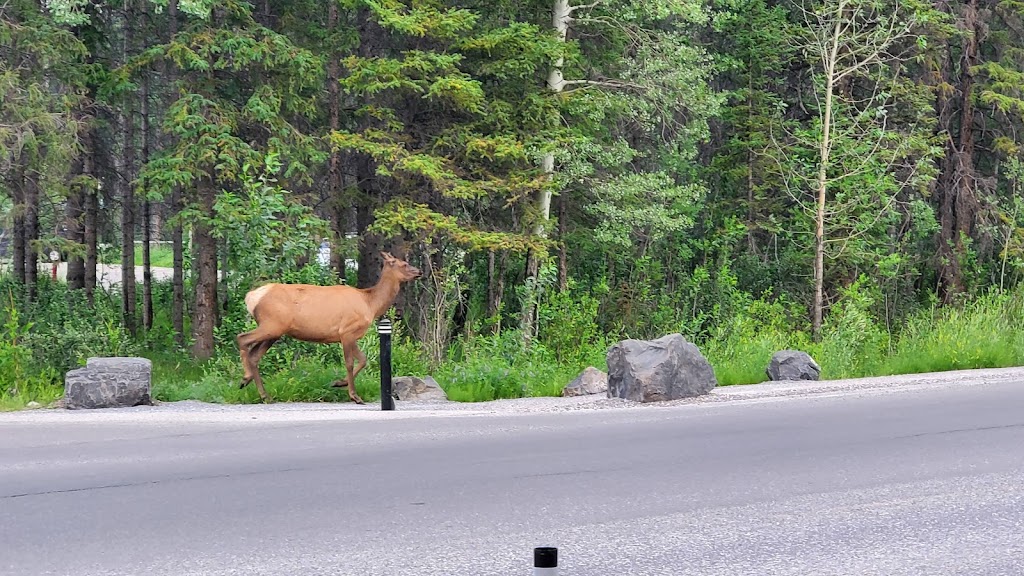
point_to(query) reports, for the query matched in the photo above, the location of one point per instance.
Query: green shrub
(739, 350)
(853, 341)
(21, 380)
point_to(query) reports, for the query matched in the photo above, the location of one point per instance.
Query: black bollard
(545, 561)
(387, 402)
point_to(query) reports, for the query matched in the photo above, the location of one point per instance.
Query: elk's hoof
(338, 384)
(245, 382)
(357, 400)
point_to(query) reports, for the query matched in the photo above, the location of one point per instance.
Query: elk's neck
(383, 294)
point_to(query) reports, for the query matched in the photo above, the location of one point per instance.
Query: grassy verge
(488, 368)
(986, 333)
(18, 400)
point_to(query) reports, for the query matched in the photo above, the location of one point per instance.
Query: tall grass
(501, 366)
(985, 333)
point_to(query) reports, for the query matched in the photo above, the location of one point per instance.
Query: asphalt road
(926, 482)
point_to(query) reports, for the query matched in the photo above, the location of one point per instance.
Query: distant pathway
(107, 275)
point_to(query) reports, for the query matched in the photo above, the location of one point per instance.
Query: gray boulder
(413, 388)
(668, 368)
(109, 383)
(591, 381)
(792, 365)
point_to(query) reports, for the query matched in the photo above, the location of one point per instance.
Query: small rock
(668, 368)
(591, 381)
(792, 365)
(414, 388)
(33, 405)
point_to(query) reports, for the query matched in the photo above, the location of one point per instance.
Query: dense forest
(840, 176)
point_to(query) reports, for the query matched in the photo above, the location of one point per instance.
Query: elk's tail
(253, 298)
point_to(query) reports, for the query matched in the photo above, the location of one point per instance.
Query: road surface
(926, 480)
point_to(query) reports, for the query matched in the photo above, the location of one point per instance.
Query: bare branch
(605, 84)
(594, 4)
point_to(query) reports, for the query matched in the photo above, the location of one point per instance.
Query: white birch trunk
(561, 17)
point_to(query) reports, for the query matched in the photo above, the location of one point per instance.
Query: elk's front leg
(352, 353)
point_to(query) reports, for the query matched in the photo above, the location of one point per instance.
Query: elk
(321, 314)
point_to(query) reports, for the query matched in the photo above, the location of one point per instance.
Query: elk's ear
(388, 258)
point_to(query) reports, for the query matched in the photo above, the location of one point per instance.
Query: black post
(545, 561)
(387, 402)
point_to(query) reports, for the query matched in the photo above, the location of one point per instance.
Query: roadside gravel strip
(193, 411)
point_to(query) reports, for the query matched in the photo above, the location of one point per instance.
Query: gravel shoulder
(199, 412)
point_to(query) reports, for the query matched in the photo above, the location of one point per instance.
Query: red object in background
(55, 271)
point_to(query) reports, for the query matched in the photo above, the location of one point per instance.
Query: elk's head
(400, 268)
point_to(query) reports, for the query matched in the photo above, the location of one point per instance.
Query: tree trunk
(958, 200)
(491, 284)
(334, 178)
(156, 230)
(560, 18)
(73, 230)
(370, 245)
(563, 256)
(177, 241)
(89, 234)
(31, 235)
(147, 206)
(205, 245)
(824, 151)
(18, 243)
(91, 215)
(496, 287)
(178, 273)
(223, 293)
(126, 182)
(147, 215)
(265, 16)
(371, 193)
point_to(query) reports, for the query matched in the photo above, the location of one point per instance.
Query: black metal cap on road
(545, 557)
(384, 326)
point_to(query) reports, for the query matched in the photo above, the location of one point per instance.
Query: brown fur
(321, 314)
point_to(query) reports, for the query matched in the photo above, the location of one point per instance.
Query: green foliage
(568, 326)
(853, 339)
(267, 231)
(739, 349)
(62, 330)
(20, 380)
(643, 208)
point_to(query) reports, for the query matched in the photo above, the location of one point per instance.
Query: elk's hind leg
(251, 347)
(246, 341)
(257, 354)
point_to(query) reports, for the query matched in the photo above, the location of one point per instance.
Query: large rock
(668, 368)
(792, 365)
(591, 381)
(413, 388)
(109, 383)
